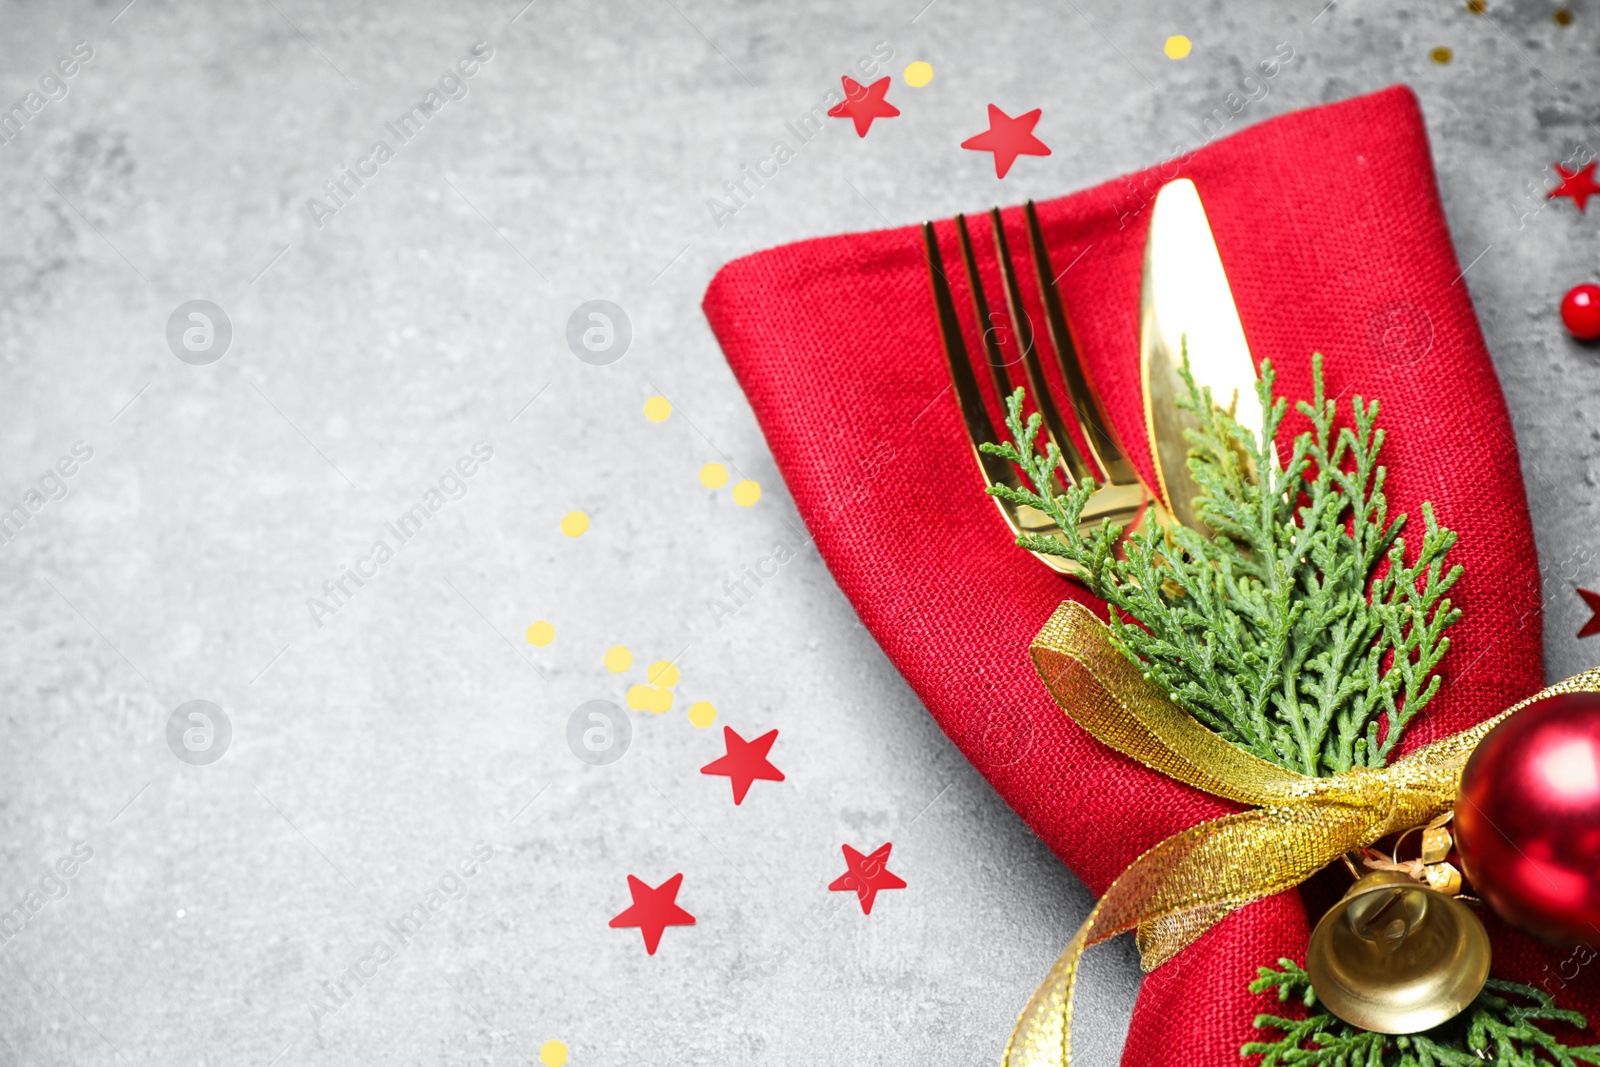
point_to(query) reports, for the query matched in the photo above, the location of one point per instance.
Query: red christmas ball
(1528, 819)
(1580, 310)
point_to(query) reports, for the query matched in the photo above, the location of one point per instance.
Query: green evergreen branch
(1498, 1026)
(1297, 629)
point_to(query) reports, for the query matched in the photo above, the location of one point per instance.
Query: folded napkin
(1334, 239)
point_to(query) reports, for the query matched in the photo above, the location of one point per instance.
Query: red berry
(1580, 310)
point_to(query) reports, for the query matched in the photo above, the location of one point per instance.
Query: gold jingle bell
(1396, 957)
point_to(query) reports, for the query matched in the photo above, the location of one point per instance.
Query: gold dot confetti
(553, 1054)
(541, 633)
(574, 524)
(918, 74)
(618, 659)
(1477, 7)
(746, 493)
(662, 672)
(1563, 16)
(657, 409)
(1178, 46)
(713, 475)
(1441, 55)
(702, 714)
(649, 698)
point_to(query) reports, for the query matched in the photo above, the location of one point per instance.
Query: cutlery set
(1185, 303)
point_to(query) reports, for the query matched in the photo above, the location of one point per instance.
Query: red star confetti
(1578, 184)
(862, 104)
(745, 761)
(867, 875)
(653, 910)
(1591, 627)
(1008, 138)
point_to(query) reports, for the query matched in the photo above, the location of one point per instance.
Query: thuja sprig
(1297, 629)
(1499, 1026)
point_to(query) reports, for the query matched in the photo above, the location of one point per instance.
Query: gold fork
(1120, 496)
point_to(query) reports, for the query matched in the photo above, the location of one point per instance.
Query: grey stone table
(384, 357)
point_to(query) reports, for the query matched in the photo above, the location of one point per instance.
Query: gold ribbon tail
(1174, 893)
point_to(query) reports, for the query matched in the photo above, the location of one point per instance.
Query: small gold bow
(1191, 881)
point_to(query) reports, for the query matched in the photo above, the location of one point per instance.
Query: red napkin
(1331, 230)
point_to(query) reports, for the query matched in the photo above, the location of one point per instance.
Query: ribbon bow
(1191, 881)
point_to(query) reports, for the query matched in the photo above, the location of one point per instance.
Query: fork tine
(980, 307)
(974, 413)
(1022, 328)
(1097, 433)
(1021, 517)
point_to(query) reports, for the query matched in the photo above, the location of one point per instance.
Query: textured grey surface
(369, 754)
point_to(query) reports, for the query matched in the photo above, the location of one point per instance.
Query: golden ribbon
(1188, 883)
